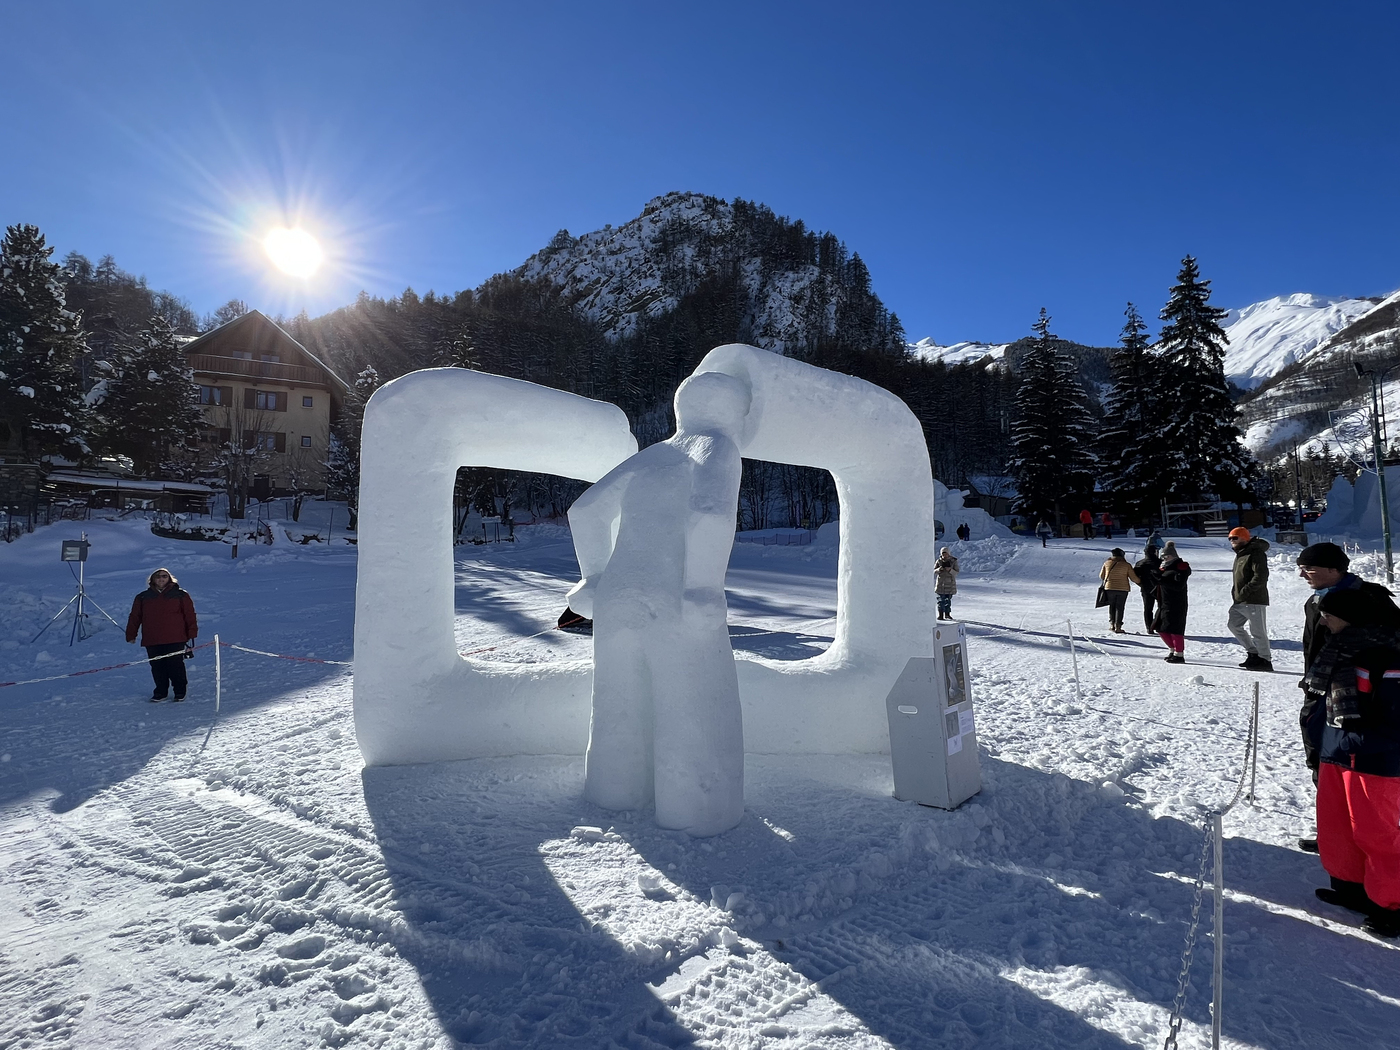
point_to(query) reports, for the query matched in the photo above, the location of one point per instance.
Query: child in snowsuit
(1357, 677)
(945, 582)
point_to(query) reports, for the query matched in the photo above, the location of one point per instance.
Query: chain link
(1184, 980)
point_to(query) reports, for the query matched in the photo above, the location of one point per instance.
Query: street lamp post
(1380, 465)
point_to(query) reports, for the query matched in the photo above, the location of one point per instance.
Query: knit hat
(1169, 550)
(1324, 556)
(1353, 605)
(1239, 533)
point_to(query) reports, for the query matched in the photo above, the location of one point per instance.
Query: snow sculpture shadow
(875, 450)
(653, 539)
(416, 699)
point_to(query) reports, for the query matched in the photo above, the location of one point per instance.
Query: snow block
(416, 699)
(875, 450)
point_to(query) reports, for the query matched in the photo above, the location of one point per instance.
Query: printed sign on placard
(965, 721)
(953, 674)
(954, 744)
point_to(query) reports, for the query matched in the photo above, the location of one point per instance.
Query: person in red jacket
(164, 614)
(1086, 519)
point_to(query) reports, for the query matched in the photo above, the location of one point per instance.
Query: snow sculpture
(875, 450)
(416, 699)
(653, 539)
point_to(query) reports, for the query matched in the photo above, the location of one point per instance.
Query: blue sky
(985, 159)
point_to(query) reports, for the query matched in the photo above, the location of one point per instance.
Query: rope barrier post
(1074, 660)
(1254, 744)
(218, 675)
(1218, 970)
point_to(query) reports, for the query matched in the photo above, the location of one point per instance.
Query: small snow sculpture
(653, 539)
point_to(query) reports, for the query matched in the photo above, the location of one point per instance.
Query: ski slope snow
(172, 876)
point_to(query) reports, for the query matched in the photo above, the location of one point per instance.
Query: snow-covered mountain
(958, 353)
(1269, 336)
(1319, 397)
(795, 287)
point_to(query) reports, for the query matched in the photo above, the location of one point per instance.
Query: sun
(294, 252)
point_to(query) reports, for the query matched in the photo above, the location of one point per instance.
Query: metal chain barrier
(1213, 843)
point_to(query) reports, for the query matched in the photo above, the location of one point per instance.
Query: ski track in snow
(173, 878)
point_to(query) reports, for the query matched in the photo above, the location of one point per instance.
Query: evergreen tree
(1199, 431)
(1129, 441)
(1051, 456)
(151, 411)
(40, 342)
(343, 456)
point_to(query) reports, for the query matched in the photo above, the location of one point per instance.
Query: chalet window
(269, 357)
(266, 442)
(265, 400)
(215, 395)
(306, 441)
(306, 401)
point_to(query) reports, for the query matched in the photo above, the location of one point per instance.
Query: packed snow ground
(172, 877)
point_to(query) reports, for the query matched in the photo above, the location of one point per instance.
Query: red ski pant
(1358, 830)
(1175, 642)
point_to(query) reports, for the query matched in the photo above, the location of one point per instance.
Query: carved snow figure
(653, 539)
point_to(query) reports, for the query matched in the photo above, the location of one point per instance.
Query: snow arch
(416, 699)
(875, 450)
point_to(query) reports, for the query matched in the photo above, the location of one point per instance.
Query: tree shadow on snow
(81, 736)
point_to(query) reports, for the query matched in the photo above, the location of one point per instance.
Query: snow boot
(1308, 845)
(1257, 663)
(1349, 895)
(1383, 922)
(1175, 658)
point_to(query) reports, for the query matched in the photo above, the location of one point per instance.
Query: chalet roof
(257, 318)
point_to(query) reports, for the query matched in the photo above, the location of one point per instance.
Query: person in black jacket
(1355, 678)
(1325, 567)
(1149, 572)
(1170, 621)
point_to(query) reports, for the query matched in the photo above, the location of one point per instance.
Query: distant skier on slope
(164, 614)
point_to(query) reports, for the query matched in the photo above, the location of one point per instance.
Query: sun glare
(294, 252)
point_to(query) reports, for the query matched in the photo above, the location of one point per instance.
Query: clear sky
(986, 159)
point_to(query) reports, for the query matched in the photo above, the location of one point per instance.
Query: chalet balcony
(302, 375)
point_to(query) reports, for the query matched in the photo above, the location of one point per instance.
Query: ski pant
(1117, 600)
(1175, 642)
(1149, 605)
(170, 671)
(945, 605)
(1358, 830)
(1248, 624)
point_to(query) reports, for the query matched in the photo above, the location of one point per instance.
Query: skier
(1115, 574)
(1324, 566)
(1250, 594)
(1149, 570)
(945, 582)
(1086, 520)
(1044, 531)
(1355, 679)
(1170, 621)
(164, 614)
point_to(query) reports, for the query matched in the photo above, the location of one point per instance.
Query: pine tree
(1051, 456)
(343, 456)
(1199, 431)
(151, 410)
(1129, 442)
(40, 343)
